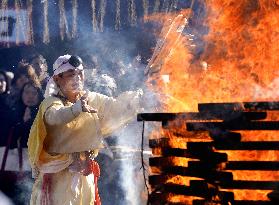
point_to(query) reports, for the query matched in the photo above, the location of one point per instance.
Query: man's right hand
(84, 105)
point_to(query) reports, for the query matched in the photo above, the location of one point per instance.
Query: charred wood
(233, 125)
(205, 115)
(225, 136)
(252, 165)
(248, 145)
(211, 176)
(236, 165)
(238, 184)
(236, 202)
(274, 196)
(162, 142)
(239, 106)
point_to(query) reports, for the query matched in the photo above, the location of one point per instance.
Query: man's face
(71, 81)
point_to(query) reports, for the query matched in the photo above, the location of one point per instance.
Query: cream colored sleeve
(117, 112)
(59, 114)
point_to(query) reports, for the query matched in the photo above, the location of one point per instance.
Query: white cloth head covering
(61, 65)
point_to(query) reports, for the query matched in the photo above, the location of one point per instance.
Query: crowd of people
(22, 91)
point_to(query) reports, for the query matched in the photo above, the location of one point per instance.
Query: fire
(238, 62)
(235, 61)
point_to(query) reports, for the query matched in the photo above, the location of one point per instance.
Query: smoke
(130, 48)
(127, 50)
(23, 189)
(5, 200)
(18, 184)
(132, 180)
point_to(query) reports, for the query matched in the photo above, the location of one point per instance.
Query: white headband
(61, 65)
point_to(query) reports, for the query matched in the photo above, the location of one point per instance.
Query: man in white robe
(67, 134)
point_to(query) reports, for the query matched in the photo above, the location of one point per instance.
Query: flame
(236, 60)
(238, 63)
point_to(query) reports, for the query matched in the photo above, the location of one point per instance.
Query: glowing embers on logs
(227, 153)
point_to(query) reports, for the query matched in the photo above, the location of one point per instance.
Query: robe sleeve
(58, 114)
(115, 113)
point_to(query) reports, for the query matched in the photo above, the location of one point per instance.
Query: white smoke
(4, 200)
(132, 180)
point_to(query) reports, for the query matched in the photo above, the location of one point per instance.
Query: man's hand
(84, 104)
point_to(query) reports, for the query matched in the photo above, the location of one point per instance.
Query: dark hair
(38, 89)
(41, 58)
(8, 82)
(27, 70)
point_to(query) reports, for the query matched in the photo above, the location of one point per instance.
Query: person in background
(6, 114)
(38, 62)
(23, 74)
(25, 111)
(67, 134)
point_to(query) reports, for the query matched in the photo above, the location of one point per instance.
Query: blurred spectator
(6, 115)
(26, 109)
(4, 82)
(39, 63)
(25, 112)
(23, 74)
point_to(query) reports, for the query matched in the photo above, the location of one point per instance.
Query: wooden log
(208, 175)
(200, 147)
(188, 191)
(204, 152)
(158, 198)
(156, 116)
(239, 106)
(253, 165)
(249, 145)
(250, 202)
(203, 155)
(255, 185)
(238, 184)
(158, 179)
(225, 136)
(209, 157)
(236, 165)
(236, 202)
(175, 152)
(162, 142)
(208, 115)
(257, 125)
(160, 162)
(274, 196)
(202, 165)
